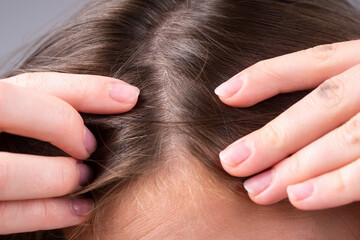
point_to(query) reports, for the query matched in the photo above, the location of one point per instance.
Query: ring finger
(23, 176)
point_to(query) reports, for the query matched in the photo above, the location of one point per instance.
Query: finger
(44, 117)
(333, 151)
(34, 177)
(337, 188)
(86, 93)
(45, 214)
(330, 105)
(292, 72)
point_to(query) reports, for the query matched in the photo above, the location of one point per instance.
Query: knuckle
(339, 183)
(8, 216)
(351, 130)
(295, 164)
(275, 136)
(4, 175)
(38, 210)
(4, 206)
(45, 211)
(3, 92)
(67, 119)
(322, 52)
(63, 180)
(329, 93)
(266, 67)
(288, 168)
(24, 78)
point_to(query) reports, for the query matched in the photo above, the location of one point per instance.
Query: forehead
(188, 204)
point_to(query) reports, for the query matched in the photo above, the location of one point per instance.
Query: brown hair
(176, 52)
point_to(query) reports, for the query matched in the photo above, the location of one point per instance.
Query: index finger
(85, 93)
(301, 70)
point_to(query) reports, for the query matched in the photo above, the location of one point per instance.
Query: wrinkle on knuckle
(63, 181)
(323, 52)
(67, 119)
(4, 206)
(274, 135)
(329, 93)
(351, 131)
(339, 185)
(24, 79)
(295, 165)
(8, 211)
(3, 92)
(4, 176)
(268, 69)
(42, 210)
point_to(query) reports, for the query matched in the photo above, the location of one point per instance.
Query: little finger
(336, 188)
(44, 214)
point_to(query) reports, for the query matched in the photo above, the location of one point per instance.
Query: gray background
(22, 21)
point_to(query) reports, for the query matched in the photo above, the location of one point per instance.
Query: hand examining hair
(45, 106)
(311, 152)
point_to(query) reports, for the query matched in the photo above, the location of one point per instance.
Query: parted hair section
(177, 52)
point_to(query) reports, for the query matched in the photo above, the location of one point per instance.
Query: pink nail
(89, 141)
(230, 87)
(300, 191)
(124, 93)
(85, 174)
(235, 154)
(258, 183)
(81, 207)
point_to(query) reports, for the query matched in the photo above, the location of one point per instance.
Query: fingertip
(85, 174)
(81, 207)
(230, 87)
(299, 196)
(235, 93)
(124, 93)
(90, 143)
(301, 191)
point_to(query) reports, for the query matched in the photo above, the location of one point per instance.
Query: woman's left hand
(312, 150)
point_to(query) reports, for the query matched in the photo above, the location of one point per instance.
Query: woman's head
(157, 166)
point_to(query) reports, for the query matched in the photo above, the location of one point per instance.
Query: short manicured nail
(258, 183)
(81, 207)
(300, 191)
(235, 154)
(124, 93)
(230, 87)
(89, 141)
(85, 174)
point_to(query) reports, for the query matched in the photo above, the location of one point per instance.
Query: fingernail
(230, 87)
(258, 183)
(124, 93)
(89, 141)
(81, 207)
(85, 174)
(300, 191)
(235, 154)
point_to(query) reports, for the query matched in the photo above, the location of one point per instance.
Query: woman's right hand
(45, 106)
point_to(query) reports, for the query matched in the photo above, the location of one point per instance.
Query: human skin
(45, 106)
(184, 201)
(311, 150)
